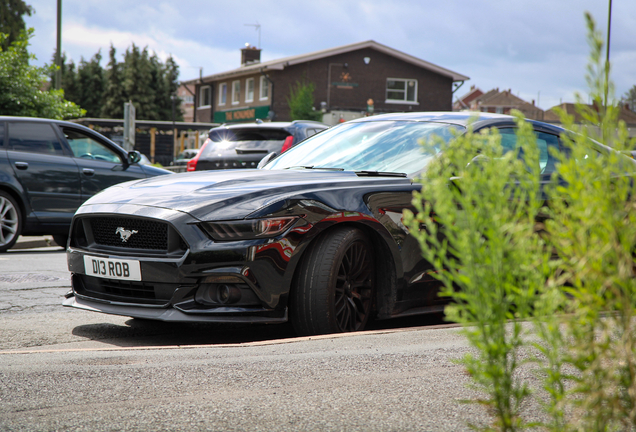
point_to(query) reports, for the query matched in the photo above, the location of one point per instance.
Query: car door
(45, 170)
(100, 163)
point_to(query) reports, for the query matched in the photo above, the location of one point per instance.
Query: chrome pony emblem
(125, 234)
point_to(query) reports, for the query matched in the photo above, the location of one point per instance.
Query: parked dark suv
(48, 168)
(244, 145)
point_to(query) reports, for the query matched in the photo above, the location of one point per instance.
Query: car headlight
(248, 229)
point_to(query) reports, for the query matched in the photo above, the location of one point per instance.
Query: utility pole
(58, 52)
(607, 53)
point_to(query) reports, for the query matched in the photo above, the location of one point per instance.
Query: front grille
(144, 233)
(150, 293)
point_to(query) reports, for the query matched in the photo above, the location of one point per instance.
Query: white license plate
(112, 268)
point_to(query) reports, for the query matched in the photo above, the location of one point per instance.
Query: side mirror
(134, 156)
(268, 157)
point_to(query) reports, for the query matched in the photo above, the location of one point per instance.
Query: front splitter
(165, 314)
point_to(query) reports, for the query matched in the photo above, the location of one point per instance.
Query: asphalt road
(66, 369)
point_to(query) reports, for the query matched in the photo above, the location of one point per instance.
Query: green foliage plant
(476, 224)
(12, 20)
(301, 102)
(593, 230)
(573, 275)
(141, 78)
(22, 86)
(114, 97)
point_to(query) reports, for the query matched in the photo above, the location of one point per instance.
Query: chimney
(250, 55)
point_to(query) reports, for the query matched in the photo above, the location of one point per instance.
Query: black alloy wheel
(10, 221)
(335, 284)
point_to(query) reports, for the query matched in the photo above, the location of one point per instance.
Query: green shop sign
(241, 115)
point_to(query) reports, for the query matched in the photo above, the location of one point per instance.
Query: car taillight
(192, 163)
(287, 144)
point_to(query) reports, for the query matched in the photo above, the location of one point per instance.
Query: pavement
(32, 242)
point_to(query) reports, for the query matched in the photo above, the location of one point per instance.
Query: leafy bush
(21, 84)
(479, 233)
(573, 277)
(593, 230)
(301, 102)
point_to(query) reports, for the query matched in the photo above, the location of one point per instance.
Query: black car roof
(36, 119)
(46, 120)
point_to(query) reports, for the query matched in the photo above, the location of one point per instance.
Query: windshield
(383, 146)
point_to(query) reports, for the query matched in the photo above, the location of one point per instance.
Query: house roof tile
(280, 64)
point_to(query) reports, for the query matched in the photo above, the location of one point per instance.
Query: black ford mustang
(315, 236)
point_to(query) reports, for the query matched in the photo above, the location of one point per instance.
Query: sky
(537, 49)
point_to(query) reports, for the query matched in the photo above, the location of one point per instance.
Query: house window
(264, 89)
(401, 90)
(205, 96)
(236, 92)
(249, 90)
(222, 93)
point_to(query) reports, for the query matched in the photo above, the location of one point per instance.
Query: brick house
(503, 102)
(357, 78)
(186, 94)
(464, 102)
(625, 114)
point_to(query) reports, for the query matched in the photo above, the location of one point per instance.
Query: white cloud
(530, 47)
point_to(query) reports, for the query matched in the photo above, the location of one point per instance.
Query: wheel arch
(386, 273)
(18, 199)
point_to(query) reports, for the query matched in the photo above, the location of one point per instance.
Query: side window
(34, 137)
(263, 89)
(236, 92)
(1, 134)
(544, 142)
(249, 90)
(547, 142)
(222, 93)
(401, 90)
(205, 96)
(84, 146)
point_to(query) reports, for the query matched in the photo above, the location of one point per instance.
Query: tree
(21, 85)
(137, 83)
(69, 78)
(167, 84)
(301, 102)
(114, 99)
(11, 21)
(630, 98)
(140, 78)
(90, 80)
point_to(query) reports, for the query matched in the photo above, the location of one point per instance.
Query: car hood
(236, 194)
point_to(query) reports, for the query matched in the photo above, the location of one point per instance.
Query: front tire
(335, 284)
(10, 221)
